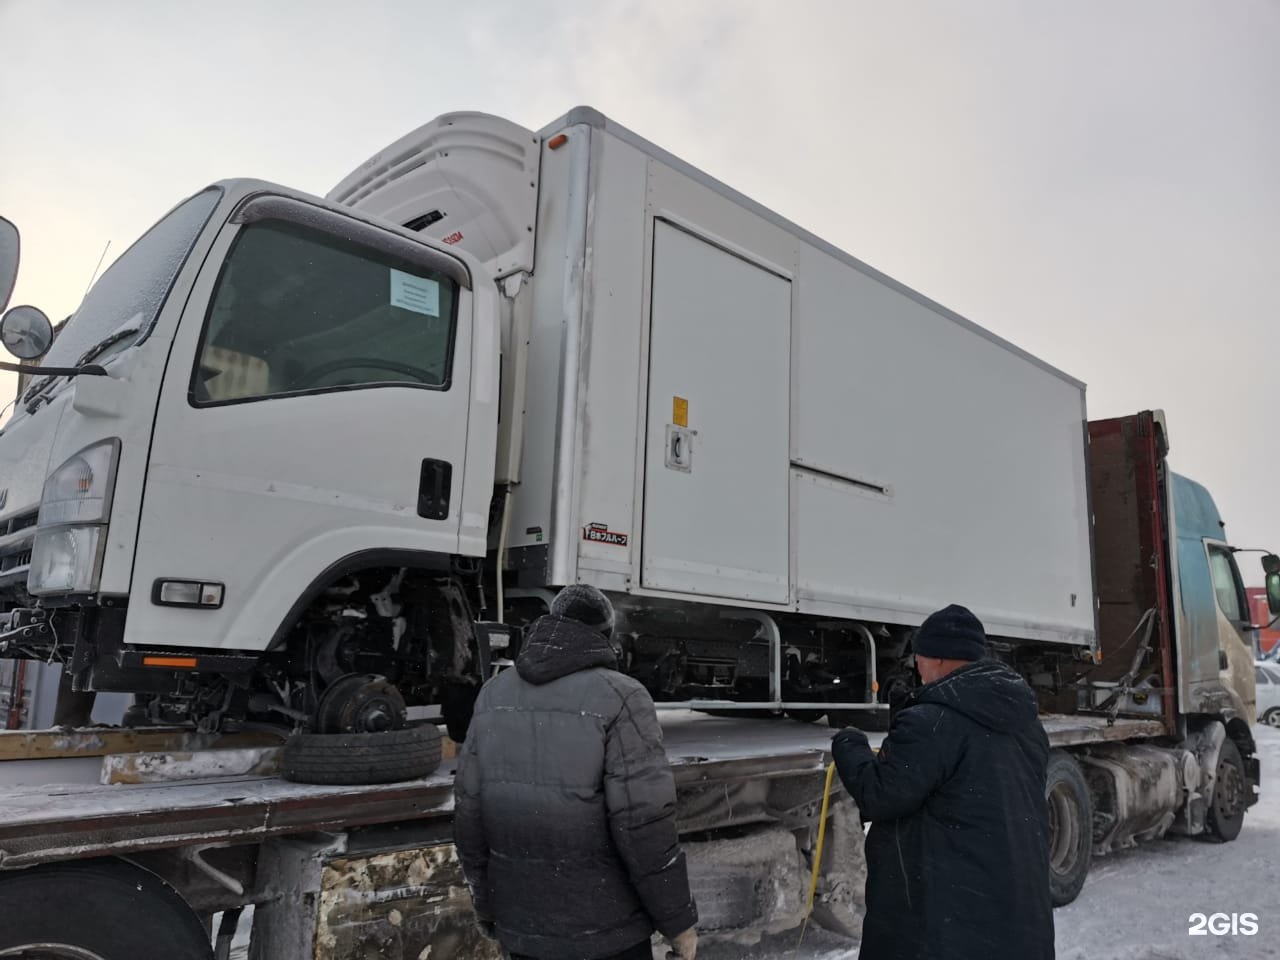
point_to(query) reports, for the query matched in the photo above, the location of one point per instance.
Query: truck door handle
(434, 489)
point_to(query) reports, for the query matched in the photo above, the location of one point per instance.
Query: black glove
(850, 738)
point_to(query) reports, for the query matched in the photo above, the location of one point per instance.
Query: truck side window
(1260, 675)
(1227, 585)
(297, 310)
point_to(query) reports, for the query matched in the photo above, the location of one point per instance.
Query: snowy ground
(1136, 905)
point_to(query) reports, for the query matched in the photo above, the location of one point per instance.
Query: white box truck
(569, 355)
(313, 460)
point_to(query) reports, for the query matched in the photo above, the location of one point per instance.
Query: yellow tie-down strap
(817, 854)
(822, 836)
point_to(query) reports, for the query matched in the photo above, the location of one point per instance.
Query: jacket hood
(987, 692)
(555, 647)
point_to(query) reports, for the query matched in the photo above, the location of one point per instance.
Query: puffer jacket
(958, 851)
(565, 804)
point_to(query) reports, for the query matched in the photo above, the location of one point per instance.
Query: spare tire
(389, 756)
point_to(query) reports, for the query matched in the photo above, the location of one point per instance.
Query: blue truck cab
(1213, 629)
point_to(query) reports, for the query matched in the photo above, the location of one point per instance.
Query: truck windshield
(128, 297)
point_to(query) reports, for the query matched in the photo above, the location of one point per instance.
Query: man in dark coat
(958, 851)
(565, 803)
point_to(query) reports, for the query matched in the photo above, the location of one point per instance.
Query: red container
(1267, 639)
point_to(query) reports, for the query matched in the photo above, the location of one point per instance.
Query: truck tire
(871, 721)
(1272, 717)
(805, 716)
(1225, 816)
(362, 758)
(96, 910)
(1070, 827)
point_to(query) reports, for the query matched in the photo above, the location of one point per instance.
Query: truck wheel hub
(360, 704)
(1229, 795)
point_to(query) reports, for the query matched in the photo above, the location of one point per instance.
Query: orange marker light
(558, 141)
(174, 663)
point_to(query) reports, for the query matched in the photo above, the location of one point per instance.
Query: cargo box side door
(716, 476)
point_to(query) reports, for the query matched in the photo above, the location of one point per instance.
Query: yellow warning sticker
(680, 411)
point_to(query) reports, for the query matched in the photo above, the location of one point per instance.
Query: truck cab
(1215, 632)
(255, 461)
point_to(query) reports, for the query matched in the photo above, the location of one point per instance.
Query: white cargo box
(722, 407)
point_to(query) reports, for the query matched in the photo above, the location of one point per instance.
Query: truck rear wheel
(805, 716)
(1070, 827)
(390, 756)
(871, 721)
(1225, 817)
(96, 910)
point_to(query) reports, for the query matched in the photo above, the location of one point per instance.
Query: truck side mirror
(10, 247)
(1271, 566)
(26, 332)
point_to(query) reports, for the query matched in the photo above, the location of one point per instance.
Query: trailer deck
(75, 820)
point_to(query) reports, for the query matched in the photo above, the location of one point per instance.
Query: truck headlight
(66, 556)
(65, 560)
(80, 490)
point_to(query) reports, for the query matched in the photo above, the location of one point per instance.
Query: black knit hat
(585, 604)
(952, 633)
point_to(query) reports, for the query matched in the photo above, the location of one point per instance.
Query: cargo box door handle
(433, 489)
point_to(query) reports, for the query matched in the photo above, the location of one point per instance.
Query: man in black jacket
(565, 803)
(958, 851)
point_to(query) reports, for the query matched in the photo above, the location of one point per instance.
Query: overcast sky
(1096, 181)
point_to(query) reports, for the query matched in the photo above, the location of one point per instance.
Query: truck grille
(15, 560)
(15, 555)
(20, 521)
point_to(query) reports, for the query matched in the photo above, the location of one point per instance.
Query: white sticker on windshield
(415, 293)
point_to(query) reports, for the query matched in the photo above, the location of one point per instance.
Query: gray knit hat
(585, 604)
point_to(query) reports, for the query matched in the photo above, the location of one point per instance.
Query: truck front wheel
(1226, 810)
(96, 910)
(1070, 827)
